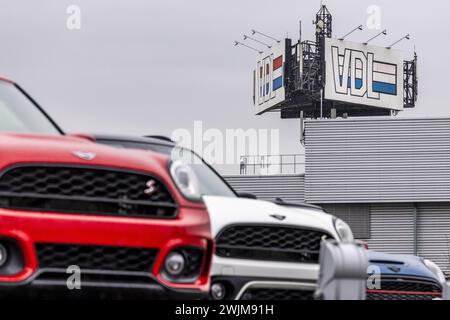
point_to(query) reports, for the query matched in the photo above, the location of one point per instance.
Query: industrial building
(389, 178)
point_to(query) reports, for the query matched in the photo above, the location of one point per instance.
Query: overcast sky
(149, 67)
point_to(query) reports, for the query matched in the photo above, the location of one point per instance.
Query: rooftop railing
(272, 164)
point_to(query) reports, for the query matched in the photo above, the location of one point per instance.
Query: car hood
(56, 149)
(225, 211)
(400, 265)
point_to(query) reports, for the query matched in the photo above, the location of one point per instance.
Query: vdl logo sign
(360, 74)
(268, 78)
(363, 74)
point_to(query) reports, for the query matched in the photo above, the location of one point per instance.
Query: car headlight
(3, 255)
(343, 230)
(185, 179)
(435, 269)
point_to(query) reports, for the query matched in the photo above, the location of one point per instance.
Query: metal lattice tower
(323, 24)
(410, 82)
(324, 29)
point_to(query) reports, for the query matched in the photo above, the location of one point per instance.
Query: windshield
(20, 114)
(211, 183)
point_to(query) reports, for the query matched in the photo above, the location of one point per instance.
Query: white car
(264, 250)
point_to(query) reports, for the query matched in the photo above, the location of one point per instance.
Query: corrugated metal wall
(287, 187)
(392, 228)
(433, 225)
(377, 160)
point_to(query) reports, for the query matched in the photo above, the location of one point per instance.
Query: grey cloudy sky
(141, 67)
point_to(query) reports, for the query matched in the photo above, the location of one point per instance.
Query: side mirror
(247, 195)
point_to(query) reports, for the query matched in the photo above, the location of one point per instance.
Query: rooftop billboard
(363, 74)
(268, 78)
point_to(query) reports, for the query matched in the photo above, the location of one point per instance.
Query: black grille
(405, 285)
(405, 290)
(391, 296)
(277, 294)
(270, 243)
(86, 191)
(90, 257)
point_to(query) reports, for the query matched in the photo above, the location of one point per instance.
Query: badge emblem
(88, 156)
(278, 217)
(150, 187)
(394, 269)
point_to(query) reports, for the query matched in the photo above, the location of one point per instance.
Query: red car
(74, 214)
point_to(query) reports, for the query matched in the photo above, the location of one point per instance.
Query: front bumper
(253, 288)
(282, 279)
(264, 269)
(52, 285)
(191, 228)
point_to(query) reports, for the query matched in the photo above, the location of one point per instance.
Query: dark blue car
(403, 277)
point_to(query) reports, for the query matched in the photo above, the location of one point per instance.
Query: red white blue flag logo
(268, 79)
(270, 76)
